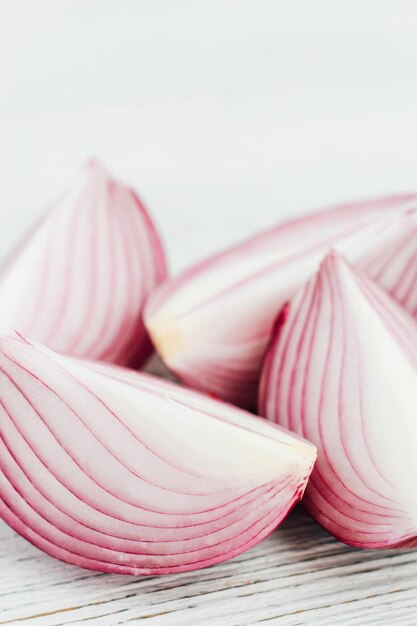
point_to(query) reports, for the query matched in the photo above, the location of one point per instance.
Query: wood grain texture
(298, 576)
(226, 116)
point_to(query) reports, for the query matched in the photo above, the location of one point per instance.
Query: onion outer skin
(79, 279)
(117, 471)
(212, 323)
(341, 370)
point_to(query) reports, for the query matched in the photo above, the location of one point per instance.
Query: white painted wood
(227, 116)
(297, 576)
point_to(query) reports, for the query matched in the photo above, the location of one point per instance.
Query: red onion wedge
(342, 371)
(212, 323)
(117, 471)
(79, 280)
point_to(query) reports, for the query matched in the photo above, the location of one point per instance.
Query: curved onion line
(214, 339)
(331, 346)
(136, 327)
(165, 388)
(259, 497)
(240, 499)
(177, 467)
(269, 497)
(139, 554)
(105, 566)
(95, 253)
(399, 204)
(310, 306)
(52, 494)
(342, 483)
(131, 433)
(96, 277)
(362, 507)
(120, 461)
(364, 441)
(314, 310)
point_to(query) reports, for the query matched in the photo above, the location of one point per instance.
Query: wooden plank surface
(298, 576)
(227, 116)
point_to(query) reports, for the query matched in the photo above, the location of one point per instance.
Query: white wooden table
(226, 115)
(298, 576)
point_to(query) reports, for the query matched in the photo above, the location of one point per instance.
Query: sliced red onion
(342, 371)
(79, 280)
(211, 324)
(117, 471)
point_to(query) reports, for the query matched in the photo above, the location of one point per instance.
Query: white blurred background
(226, 115)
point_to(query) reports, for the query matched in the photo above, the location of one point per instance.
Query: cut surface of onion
(212, 323)
(118, 471)
(79, 280)
(341, 370)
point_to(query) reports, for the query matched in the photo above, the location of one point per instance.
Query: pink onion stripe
(341, 370)
(211, 324)
(121, 472)
(78, 282)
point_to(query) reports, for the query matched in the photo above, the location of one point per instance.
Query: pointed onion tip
(117, 471)
(79, 281)
(211, 325)
(342, 372)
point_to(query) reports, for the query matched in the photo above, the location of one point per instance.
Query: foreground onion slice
(211, 324)
(79, 280)
(118, 471)
(342, 371)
